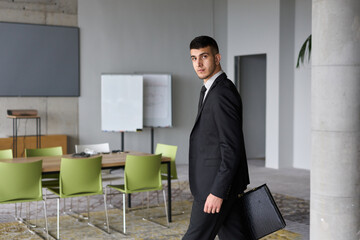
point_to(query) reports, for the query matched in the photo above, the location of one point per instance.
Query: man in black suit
(218, 169)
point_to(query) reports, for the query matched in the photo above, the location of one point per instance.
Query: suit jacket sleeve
(228, 120)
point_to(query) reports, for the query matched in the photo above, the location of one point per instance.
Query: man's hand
(212, 204)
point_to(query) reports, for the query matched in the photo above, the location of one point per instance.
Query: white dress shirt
(209, 82)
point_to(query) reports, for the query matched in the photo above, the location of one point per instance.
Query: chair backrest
(20, 182)
(7, 153)
(142, 172)
(168, 151)
(80, 176)
(93, 148)
(39, 152)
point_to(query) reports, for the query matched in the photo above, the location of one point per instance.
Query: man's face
(205, 63)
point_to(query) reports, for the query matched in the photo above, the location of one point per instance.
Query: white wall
(302, 89)
(254, 28)
(221, 29)
(126, 36)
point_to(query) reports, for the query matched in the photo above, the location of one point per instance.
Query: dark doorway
(250, 79)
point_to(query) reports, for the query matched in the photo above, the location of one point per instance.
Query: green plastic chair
(78, 178)
(167, 151)
(39, 152)
(6, 154)
(142, 174)
(107, 175)
(21, 182)
(48, 179)
(51, 179)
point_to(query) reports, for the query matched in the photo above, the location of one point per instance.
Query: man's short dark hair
(204, 41)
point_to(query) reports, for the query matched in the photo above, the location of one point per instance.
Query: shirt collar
(212, 79)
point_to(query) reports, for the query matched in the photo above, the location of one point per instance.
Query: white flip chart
(121, 102)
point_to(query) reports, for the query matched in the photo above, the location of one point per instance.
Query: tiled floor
(294, 183)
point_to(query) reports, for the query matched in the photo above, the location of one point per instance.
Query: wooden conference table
(51, 164)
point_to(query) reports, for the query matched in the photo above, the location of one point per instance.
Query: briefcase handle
(250, 190)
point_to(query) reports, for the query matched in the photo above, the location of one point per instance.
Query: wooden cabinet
(24, 142)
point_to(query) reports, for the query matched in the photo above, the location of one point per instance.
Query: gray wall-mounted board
(39, 60)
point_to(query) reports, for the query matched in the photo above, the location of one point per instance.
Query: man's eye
(204, 56)
(193, 59)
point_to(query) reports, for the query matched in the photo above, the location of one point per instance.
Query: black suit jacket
(217, 158)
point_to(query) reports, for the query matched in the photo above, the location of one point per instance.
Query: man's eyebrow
(204, 53)
(201, 54)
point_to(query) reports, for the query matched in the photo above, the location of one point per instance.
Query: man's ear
(217, 58)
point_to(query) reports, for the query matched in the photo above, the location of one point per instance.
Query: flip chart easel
(157, 102)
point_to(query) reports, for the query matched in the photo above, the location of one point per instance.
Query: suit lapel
(217, 80)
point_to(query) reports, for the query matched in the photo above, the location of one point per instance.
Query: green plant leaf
(302, 51)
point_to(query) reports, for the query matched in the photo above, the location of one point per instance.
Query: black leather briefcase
(261, 214)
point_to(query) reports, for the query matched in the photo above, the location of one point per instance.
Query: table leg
(169, 189)
(13, 146)
(37, 133)
(129, 200)
(15, 137)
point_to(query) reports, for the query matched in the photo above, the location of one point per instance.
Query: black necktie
(202, 94)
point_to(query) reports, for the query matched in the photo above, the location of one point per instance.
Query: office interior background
(153, 37)
(137, 36)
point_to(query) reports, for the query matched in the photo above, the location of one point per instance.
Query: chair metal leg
(107, 230)
(16, 211)
(166, 213)
(46, 221)
(72, 211)
(109, 227)
(29, 227)
(20, 212)
(36, 219)
(71, 205)
(28, 212)
(181, 197)
(78, 216)
(147, 204)
(111, 193)
(106, 215)
(110, 204)
(157, 195)
(58, 219)
(78, 205)
(124, 210)
(88, 210)
(27, 220)
(148, 200)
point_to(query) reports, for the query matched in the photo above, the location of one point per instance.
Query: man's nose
(199, 63)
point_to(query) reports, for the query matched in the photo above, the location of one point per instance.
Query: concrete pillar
(335, 170)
